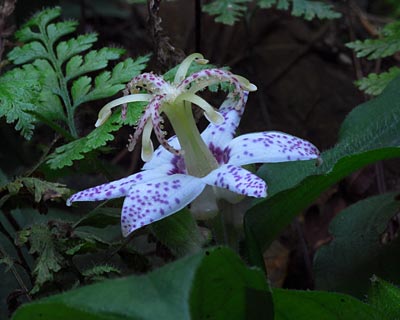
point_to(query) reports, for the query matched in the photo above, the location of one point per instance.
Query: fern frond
(63, 73)
(226, 11)
(386, 45)
(19, 91)
(303, 8)
(76, 150)
(375, 83)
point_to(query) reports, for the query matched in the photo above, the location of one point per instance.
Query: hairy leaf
(371, 132)
(71, 47)
(375, 83)
(359, 249)
(212, 284)
(387, 45)
(226, 11)
(385, 297)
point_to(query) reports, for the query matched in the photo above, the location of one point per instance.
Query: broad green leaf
(371, 132)
(358, 250)
(385, 297)
(375, 83)
(226, 11)
(213, 284)
(100, 218)
(306, 305)
(179, 233)
(387, 45)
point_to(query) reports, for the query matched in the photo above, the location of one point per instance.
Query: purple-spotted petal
(118, 188)
(149, 202)
(220, 135)
(267, 147)
(238, 180)
(162, 156)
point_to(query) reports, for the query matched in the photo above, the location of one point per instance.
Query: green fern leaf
(18, 94)
(76, 150)
(226, 11)
(303, 8)
(109, 83)
(313, 9)
(58, 65)
(71, 47)
(93, 61)
(375, 83)
(100, 272)
(49, 260)
(385, 46)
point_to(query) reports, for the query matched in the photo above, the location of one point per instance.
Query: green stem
(198, 159)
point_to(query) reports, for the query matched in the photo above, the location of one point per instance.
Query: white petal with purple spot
(267, 147)
(155, 200)
(118, 188)
(162, 156)
(238, 180)
(220, 135)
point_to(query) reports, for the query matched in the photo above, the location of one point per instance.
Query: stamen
(214, 76)
(185, 65)
(156, 119)
(209, 112)
(139, 129)
(147, 144)
(105, 112)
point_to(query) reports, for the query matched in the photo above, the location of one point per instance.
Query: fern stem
(64, 94)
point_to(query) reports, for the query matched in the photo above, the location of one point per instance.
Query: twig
(5, 11)
(16, 275)
(166, 54)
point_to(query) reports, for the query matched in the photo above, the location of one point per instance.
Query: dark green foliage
(295, 185)
(226, 11)
(212, 284)
(375, 83)
(361, 246)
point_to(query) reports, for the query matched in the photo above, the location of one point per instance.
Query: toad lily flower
(184, 165)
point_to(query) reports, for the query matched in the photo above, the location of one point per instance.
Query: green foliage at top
(213, 284)
(387, 45)
(53, 67)
(226, 11)
(371, 132)
(230, 11)
(303, 8)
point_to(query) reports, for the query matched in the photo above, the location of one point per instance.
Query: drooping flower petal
(157, 199)
(237, 180)
(118, 188)
(264, 147)
(219, 135)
